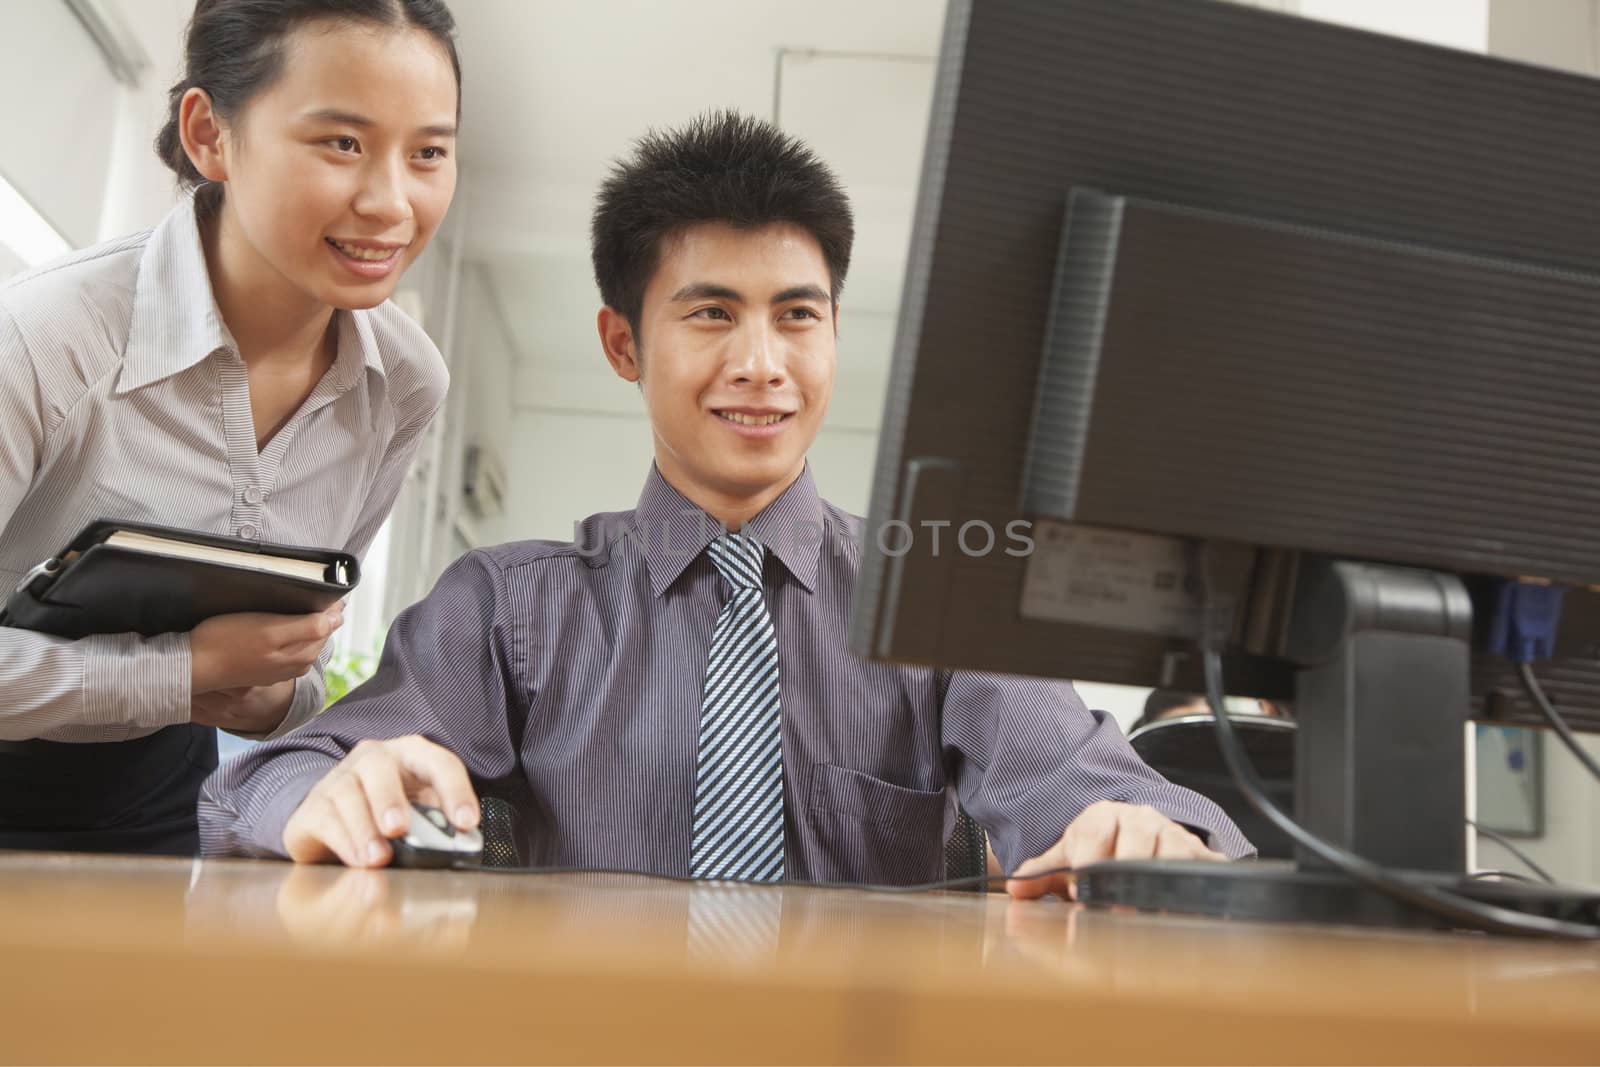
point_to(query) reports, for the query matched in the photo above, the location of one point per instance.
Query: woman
(236, 370)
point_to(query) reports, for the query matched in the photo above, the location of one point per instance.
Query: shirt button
(252, 495)
(249, 532)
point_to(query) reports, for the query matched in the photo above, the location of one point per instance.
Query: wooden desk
(138, 960)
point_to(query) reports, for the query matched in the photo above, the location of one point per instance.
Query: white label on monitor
(1111, 578)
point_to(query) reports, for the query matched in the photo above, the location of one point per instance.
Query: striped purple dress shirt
(575, 671)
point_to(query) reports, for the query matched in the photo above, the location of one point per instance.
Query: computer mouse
(431, 841)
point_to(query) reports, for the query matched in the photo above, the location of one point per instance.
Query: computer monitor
(1322, 307)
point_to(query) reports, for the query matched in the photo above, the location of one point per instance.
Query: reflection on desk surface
(838, 974)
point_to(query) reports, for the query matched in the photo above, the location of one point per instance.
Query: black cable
(1505, 843)
(1554, 717)
(1453, 907)
(1459, 910)
(870, 887)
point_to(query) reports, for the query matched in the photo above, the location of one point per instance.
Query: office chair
(966, 850)
(1184, 750)
(498, 823)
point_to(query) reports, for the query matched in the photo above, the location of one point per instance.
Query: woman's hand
(256, 710)
(254, 649)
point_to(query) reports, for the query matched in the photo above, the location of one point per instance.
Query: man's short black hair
(721, 167)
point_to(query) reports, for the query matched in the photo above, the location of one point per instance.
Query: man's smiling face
(735, 349)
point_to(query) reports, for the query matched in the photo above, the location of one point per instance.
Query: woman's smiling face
(340, 171)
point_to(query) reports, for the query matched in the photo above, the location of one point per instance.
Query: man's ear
(836, 318)
(622, 351)
(200, 130)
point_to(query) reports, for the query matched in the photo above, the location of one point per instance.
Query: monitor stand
(1380, 765)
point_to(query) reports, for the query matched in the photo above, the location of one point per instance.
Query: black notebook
(118, 577)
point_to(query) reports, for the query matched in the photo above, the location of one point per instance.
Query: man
(674, 691)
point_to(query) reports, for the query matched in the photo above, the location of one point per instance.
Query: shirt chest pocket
(870, 830)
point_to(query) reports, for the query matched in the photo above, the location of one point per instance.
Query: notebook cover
(108, 589)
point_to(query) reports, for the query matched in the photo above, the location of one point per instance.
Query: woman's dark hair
(721, 167)
(234, 49)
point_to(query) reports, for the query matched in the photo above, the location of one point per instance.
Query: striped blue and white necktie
(738, 792)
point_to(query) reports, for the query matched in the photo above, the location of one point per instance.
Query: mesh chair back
(500, 833)
(966, 850)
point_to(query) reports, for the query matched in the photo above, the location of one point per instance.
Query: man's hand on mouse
(352, 812)
(1108, 830)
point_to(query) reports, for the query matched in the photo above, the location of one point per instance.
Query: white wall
(1569, 847)
(79, 141)
(139, 189)
(569, 466)
(1460, 24)
(486, 372)
(60, 97)
(10, 262)
(1555, 33)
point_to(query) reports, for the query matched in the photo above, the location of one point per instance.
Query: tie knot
(738, 558)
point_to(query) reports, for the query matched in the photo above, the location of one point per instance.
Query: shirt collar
(175, 319)
(358, 356)
(674, 530)
(176, 323)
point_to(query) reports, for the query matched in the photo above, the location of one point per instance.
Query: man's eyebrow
(351, 118)
(706, 291)
(802, 292)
